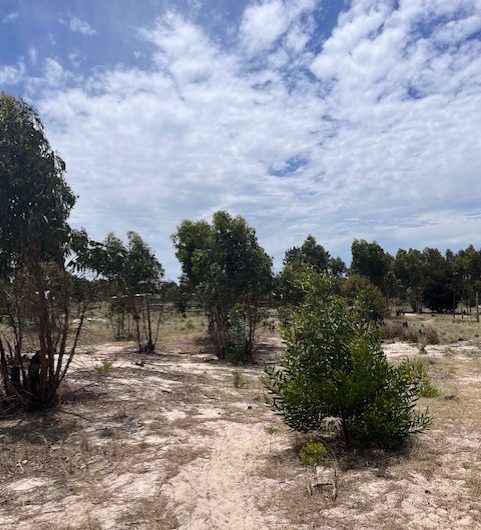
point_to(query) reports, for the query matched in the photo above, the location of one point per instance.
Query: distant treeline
(417, 278)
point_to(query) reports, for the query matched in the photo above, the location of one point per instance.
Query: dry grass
(428, 329)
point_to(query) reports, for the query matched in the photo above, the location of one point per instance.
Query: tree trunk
(150, 344)
(477, 306)
(46, 353)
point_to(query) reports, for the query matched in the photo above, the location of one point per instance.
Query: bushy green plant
(104, 367)
(334, 367)
(312, 453)
(359, 287)
(417, 370)
(237, 336)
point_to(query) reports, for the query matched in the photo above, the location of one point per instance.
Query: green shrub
(360, 288)
(189, 325)
(417, 370)
(271, 430)
(312, 453)
(238, 378)
(104, 367)
(237, 336)
(334, 367)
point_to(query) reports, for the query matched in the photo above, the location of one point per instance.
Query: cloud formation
(11, 17)
(78, 25)
(374, 132)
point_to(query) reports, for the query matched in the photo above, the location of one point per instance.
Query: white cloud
(12, 75)
(264, 22)
(11, 17)
(75, 57)
(78, 25)
(388, 131)
(33, 55)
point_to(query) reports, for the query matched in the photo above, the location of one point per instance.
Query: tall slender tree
(35, 240)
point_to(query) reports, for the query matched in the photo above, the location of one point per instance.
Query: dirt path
(220, 492)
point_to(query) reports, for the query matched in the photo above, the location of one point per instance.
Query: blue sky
(341, 119)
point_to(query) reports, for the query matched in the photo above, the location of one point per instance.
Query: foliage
(417, 370)
(237, 335)
(370, 260)
(224, 266)
(312, 453)
(104, 367)
(309, 256)
(132, 274)
(359, 287)
(271, 430)
(309, 253)
(238, 378)
(37, 287)
(439, 295)
(35, 200)
(334, 366)
(176, 294)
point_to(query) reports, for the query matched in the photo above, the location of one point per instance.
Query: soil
(167, 441)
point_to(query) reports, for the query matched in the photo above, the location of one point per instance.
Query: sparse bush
(189, 325)
(312, 453)
(104, 367)
(237, 336)
(238, 378)
(271, 430)
(428, 335)
(419, 371)
(334, 366)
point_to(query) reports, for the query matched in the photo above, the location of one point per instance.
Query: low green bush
(104, 367)
(312, 453)
(334, 367)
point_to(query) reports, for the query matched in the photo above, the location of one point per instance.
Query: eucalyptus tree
(226, 268)
(309, 256)
(370, 260)
(35, 242)
(132, 273)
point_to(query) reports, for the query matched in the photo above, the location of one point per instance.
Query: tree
(466, 269)
(408, 267)
(370, 260)
(309, 256)
(309, 253)
(334, 367)
(35, 239)
(439, 290)
(359, 287)
(133, 273)
(314, 255)
(175, 294)
(439, 295)
(227, 269)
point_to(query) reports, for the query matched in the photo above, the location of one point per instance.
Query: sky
(340, 119)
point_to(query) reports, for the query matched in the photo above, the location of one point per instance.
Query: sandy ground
(170, 442)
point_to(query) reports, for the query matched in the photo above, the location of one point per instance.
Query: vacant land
(176, 439)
